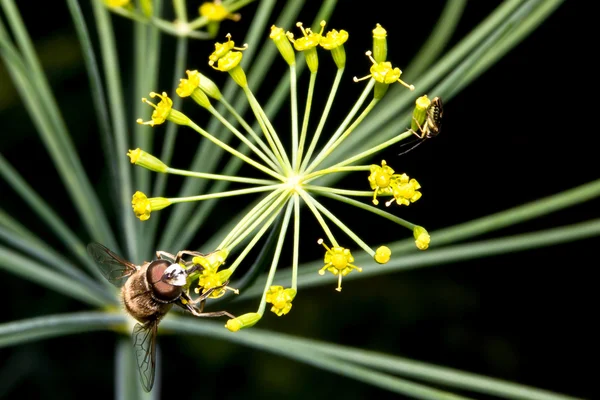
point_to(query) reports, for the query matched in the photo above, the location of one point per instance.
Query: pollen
(338, 261)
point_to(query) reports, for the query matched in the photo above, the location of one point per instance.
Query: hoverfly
(148, 292)
(433, 123)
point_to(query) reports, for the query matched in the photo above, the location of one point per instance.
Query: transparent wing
(144, 346)
(113, 267)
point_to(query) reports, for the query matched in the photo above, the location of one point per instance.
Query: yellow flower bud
(243, 321)
(420, 113)
(283, 45)
(146, 160)
(379, 43)
(422, 238)
(143, 206)
(383, 254)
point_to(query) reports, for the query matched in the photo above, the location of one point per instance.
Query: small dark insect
(148, 292)
(433, 122)
(432, 125)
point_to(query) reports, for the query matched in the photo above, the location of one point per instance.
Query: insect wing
(144, 346)
(113, 267)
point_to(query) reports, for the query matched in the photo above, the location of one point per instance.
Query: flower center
(293, 182)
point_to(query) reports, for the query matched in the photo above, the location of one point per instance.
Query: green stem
(207, 156)
(35, 91)
(308, 200)
(117, 110)
(254, 240)
(47, 214)
(458, 253)
(147, 43)
(296, 247)
(250, 225)
(332, 170)
(438, 38)
(369, 208)
(168, 145)
(97, 91)
(236, 153)
(276, 255)
(32, 329)
(29, 244)
(309, 97)
(248, 129)
(518, 31)
(325, 151)
(317, 135)
(49, 326)
(268, 131)
(180, 10)
(248, 142)
(294, 112)
(374, 150)
(249, 217)
(470, 229)
(328, 150)
(325, 189)
(17, 264)
(343, 227)
(225, 194)
(229, 178)
(289, 346)
(385, 119)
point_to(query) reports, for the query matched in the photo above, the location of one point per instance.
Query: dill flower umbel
(293, 167)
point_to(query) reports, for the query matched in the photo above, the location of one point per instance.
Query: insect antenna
(414, 145)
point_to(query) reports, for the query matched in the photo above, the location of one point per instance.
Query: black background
(524, 130)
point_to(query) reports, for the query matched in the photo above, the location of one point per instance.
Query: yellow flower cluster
(384, 181)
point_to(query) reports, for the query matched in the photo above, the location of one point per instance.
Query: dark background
(524, 130)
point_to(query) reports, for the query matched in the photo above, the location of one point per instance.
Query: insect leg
(189, 305)
(180, 255)
(212, 314)
(163, 255)
(421, 128)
